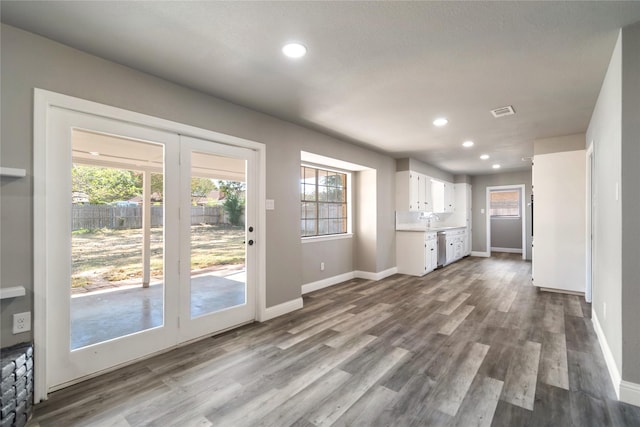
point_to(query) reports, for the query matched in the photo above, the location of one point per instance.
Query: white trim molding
(481, 254)
(280, 309)
(507, 250)
(630, 392)
(375, 276)
(614, 374)
(325, 283)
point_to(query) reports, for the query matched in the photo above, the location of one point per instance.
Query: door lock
(250, 242)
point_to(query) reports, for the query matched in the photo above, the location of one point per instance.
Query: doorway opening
(506, 219)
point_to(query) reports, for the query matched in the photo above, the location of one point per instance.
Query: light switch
(270, 204)
(482, 211)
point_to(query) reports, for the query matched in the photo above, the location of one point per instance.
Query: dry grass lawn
(109, 257)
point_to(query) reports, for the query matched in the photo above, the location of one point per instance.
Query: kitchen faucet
(428, 217)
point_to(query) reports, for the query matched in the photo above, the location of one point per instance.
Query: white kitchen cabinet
(462, 213)
(449, 197)
(443, 196)
(416, 252)
(467, 243)
(413, 191)
(432, 252)
(455, 245)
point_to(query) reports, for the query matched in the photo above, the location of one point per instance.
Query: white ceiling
(376, 73)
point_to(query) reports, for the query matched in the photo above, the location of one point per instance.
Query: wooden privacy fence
(122, 217)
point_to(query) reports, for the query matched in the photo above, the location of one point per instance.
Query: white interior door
(218, 275)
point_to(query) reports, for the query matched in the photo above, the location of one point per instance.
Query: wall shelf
(12, 292)
(13, 172)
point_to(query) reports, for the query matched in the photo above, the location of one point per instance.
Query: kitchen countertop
(427, 230)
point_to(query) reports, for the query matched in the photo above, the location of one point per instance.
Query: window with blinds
(505, 204)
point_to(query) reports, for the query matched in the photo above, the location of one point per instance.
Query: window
(505, 203)
(323, 197)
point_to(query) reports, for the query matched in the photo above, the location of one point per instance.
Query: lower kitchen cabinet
(416, 252)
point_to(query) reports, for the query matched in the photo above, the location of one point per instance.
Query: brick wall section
(16, 389)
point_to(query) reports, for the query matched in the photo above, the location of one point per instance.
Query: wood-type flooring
(472, 344)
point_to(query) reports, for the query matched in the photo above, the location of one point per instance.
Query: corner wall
(631, 206)
(605, 133)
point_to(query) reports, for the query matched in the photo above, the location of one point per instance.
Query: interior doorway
(506, 215)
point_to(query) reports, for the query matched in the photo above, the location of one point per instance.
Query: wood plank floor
(472, 344)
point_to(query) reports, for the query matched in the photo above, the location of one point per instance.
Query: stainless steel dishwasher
(442, 248)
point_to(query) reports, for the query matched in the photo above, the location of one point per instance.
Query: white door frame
(44, 103)
(589, 224)
(523, 212)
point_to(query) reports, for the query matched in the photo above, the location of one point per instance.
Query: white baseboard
(630, 393)
(481, 254)
(375, 276)
(280, 309)
(614, 373)
(330, 281)
(325, 283)
(507, 250)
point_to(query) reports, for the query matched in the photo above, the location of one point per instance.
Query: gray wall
(30, 61)
(558, 144)
(479, 200)
(506, 233)
(631, 203)
(604, 133)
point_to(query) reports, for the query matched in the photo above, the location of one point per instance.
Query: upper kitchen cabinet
(442, 196)
(413, 191)
(559, 221)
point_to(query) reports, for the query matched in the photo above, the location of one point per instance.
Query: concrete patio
(103, 315)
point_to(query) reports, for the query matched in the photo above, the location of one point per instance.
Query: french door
(149, 242)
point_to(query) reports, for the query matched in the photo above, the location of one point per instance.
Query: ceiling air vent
(503, 111)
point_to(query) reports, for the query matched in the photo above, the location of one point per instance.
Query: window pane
(323, 208)
(308, 210)
(309, 192)
(505, 203)
(322, 193)
(309, 175)
(322, 177)
(308, 227)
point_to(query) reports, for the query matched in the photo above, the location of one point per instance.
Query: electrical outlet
(21, 322)
(322, 266)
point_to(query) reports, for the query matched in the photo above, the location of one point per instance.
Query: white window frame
(349, 188)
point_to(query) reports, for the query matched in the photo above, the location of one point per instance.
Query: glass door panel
(217, 253)
(218, 245)
(117, 237)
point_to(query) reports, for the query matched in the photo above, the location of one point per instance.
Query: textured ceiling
(376, 73)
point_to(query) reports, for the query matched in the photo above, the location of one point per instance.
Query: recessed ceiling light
(484, 156)
(294, 50)
(94, 153)
(441, 121)
(496, 166)
(467, 144)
